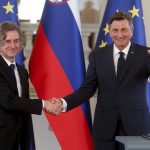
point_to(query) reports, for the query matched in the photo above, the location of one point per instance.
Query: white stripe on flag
(74, 6)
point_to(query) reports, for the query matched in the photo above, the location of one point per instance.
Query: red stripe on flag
(50, 80)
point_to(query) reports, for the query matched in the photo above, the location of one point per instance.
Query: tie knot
(12, 67)
(121, 54)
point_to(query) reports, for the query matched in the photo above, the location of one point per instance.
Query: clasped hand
(54, 106)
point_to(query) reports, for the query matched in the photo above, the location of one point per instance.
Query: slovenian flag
(57, 69)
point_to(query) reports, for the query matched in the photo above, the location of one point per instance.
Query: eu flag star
(9, 8)
(134, 12)
(106, 29)
(103, 44)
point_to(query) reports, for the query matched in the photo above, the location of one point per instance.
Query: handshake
(54, 106)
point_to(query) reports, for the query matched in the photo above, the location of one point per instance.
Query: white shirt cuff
(43, 104)
(64, 104)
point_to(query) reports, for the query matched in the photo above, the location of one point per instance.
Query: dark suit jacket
(126, 97)
(14, 110)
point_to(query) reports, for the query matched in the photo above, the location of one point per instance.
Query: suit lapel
(8, 75)
(129, 60)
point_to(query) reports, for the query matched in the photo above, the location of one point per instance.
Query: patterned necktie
(121, 62)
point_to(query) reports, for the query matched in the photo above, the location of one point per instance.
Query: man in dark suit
(120, 71)
(15, 105)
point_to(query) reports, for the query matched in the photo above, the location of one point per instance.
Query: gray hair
(9, 26)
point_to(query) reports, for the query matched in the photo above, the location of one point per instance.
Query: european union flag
(9, 12)
(134, 7)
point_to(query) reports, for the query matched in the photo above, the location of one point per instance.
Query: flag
(57, 69)
(9, 12)
(133, 7)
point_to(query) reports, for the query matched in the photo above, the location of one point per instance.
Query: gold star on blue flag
(134, 8)
(9, 11)
(134, 12)
(9, 8)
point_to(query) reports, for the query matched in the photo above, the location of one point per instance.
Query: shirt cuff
(64, 104)
(43, 104)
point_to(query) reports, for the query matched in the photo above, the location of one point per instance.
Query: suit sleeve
(86, 90)
(11, 102)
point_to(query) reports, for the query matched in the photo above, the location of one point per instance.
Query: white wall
(30, 9)
(146, 4)
(95, 2)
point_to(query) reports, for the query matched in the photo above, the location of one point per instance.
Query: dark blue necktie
(120, 66)
(12, 67)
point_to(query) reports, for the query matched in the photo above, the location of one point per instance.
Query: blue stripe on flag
(67, 44)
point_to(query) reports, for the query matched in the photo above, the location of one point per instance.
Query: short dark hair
(121, 16)
(9, 26)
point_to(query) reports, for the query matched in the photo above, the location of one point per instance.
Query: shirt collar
(125, 50)
(8, 62)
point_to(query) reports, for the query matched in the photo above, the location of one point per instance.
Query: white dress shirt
(116, 54)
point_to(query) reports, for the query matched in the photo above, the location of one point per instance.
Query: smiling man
(120, 72)
(121, 32)
(15, 105)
